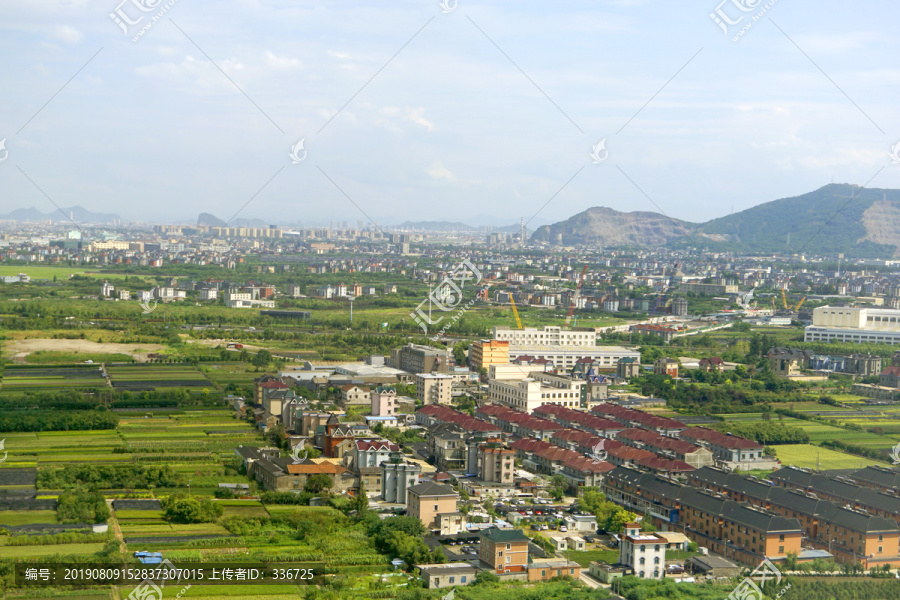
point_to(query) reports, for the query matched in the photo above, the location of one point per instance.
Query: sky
(471, 111)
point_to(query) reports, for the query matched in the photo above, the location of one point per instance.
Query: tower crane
(512, 302)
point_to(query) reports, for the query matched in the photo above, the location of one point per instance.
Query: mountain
(835, 218)
(210, 220)
(600, 226)
(75, 213)
(213, 221)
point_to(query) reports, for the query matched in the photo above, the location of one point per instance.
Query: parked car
(563, 528)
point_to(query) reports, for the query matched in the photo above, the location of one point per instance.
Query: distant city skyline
(482, 113)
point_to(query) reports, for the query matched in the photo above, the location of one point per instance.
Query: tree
(182, 508)
(261, 359)
(486, 578)
(559, 485)
(360, 502)
(318, 483)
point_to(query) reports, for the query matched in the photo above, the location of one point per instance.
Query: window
(656, 560)
(880, 549)
(640, 562)
(544, 573)
(452, 580)
(780, 549)
(435, 507)
(462, 579)
(508, 559)
(500, 554)
(508, 547)
(781, 538)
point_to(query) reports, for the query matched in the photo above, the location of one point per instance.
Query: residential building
(414, 358)
(788, 362)
(355, 395)
(384, 402)
(373, 452)
(666, 366)
(644, 553)
(728, 450)
(628, 367)
(851, 535)
(721, 288)
(484, 353)
(434, 388)
(428, 501)
(713, 363)
(246, 300)
(443, 575)
(537, 388)
(397, 478)
(371, 478)
(745, 533)
(549, 335)
(565, 357)
(497, 463)
(504, 550)
(544, 569)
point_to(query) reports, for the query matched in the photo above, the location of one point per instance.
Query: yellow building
(484, 353)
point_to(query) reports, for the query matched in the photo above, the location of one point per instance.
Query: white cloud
(282, 62)
(439, 171)
(416, 116)
(67, 34)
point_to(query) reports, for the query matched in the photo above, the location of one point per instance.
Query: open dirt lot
(19, 349)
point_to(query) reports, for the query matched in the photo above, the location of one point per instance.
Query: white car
(563, 528)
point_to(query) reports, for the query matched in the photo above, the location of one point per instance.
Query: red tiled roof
(376, 445)
(724, 440)
(274, 385)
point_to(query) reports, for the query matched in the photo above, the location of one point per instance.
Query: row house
(693, 455)
(518, 423)
(737, 531)
(730, 451)
(841, 490)
(579, 419)
(851, 535)
(638, 418)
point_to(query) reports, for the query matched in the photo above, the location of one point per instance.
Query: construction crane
(575, 296)
(784, 300)
(799, 304)
(773, 303)
(512, 302)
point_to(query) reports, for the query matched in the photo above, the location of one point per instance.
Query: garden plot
(147, 377)
(52, 379)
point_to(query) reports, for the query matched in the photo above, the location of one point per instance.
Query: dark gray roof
(887, 478)
(758, 519)
(429, 488)
(504, 535)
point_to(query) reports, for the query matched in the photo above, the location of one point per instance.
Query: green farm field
(812, 457)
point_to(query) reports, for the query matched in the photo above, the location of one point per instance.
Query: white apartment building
(534, 389)
(549, 335)
(565, 357)
(643, 552)
(434, 388)
(245, 300)
(854, 325)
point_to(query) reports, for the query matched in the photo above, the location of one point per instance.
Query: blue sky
(449, 128)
